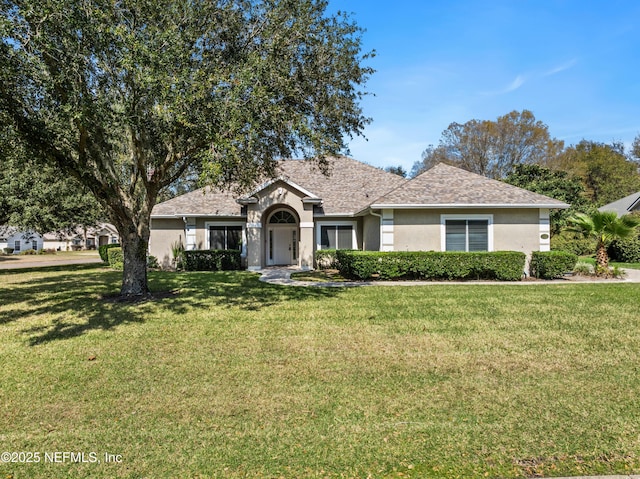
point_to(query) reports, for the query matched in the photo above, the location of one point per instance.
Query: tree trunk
(135, 242)
(602, 258)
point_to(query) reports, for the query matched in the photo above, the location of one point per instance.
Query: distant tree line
(519, 149)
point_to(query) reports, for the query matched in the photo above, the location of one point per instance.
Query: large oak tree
(127, 96)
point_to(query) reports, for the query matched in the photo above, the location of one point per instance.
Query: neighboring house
(287, 219)
(16, 241)
(628, 204)
(81, 239)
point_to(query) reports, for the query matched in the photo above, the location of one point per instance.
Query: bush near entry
(212, 260)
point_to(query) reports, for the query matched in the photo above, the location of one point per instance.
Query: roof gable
(256, 192)
(447, 186)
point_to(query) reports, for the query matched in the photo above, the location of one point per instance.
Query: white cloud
(513, 86)
(560, 68)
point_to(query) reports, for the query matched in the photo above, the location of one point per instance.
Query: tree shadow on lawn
(230, 289)
(72, 300)
(84, 298)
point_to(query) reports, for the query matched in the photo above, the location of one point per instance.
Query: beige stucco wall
(164, 232)
(513, 229)
(371, 233)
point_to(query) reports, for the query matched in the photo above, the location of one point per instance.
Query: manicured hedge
(367, 265)
(551, 264)
(625, 251)
(103, 251)
(115, 258)
(211, 260)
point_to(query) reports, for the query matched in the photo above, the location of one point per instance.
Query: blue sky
(574, 64)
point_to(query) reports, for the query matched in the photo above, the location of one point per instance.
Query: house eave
(384, 206)
(193, 215)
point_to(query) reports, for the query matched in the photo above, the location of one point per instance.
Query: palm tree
(604, 227)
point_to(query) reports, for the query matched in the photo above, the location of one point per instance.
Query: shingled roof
(448, 186)
(349, 187)
(625, 205)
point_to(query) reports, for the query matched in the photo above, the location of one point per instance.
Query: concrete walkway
(282, 276)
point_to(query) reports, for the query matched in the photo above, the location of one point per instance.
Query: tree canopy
(605, 171)
(555, 184)
(39, 197)
(493, 148)
(396, 170)
(128, 96)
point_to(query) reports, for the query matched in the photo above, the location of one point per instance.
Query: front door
(282, 246)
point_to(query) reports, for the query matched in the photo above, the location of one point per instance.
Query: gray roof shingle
(349, 188)
(445, 185)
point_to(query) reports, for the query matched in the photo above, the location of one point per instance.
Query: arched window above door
(282, 217)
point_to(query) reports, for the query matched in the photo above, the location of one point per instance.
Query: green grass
(234, 378)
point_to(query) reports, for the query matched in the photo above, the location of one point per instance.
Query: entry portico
(280, 224)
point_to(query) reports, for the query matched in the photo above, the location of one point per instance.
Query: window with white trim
(336, 237)
(16, 246)
(467, 232)
(225, 237)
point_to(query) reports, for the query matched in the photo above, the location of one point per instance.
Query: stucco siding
(416, 230)
(371, 233)
(513, 229)
(164, 232)
(516, 230)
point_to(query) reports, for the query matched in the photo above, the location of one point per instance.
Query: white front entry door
(282, 247)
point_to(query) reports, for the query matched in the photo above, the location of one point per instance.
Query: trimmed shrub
(116, 258)
(326, 259)
(367, 265)
(103, 251)
(625, 251)
(551, 264)
(212, 260)
(7, 250)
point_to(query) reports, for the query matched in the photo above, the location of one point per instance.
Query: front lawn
(230, 377)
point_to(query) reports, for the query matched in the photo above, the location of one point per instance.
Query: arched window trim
(282, 217)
